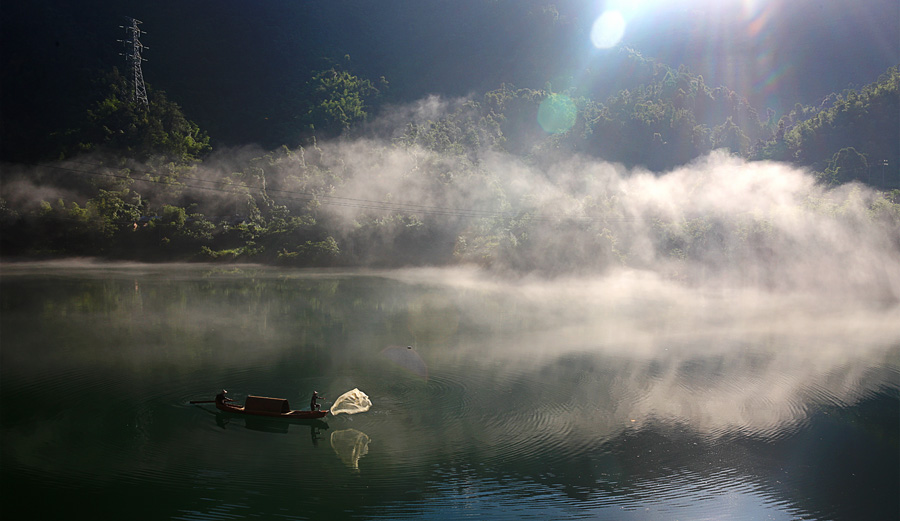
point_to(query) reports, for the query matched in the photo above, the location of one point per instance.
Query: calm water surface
(617, 398)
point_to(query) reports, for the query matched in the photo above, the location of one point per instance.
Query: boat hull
(297, 415)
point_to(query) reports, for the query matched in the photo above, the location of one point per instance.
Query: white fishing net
(351, 402)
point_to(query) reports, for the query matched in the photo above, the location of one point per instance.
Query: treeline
(141, 182)
(851, 136)
(670, 117)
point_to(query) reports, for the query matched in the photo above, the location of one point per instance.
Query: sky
(775, 52)
(228, 63)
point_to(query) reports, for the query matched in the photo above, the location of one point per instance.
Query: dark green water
(617, 398)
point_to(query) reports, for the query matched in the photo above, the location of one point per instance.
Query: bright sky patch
(608, 29)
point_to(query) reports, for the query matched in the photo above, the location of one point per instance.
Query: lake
(625, 397)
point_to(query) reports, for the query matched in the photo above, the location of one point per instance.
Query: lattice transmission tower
(133, 49)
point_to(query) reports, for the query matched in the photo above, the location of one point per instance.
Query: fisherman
(313, 405)
(221, 398)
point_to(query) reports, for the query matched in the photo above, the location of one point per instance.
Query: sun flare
(608, 30)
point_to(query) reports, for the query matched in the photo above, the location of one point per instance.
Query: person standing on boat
(221, 399)
(313, 404)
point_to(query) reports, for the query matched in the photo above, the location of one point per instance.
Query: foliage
(466, 131)
(336, 100)
(864, 121)
(670, 120)
(119, 124)
(267, 209)
(847, 165)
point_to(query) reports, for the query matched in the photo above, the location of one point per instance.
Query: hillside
(395, 160)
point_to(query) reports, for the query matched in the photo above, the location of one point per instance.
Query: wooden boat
(270, 407)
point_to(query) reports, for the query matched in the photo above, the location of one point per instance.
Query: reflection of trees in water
(538, 382)
(749, 362)
(187, 314)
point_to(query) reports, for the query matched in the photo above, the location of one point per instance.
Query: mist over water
(775, 291)
(719, 220)
(746, 361)
(717, 224)
(720, 246)
(626, 388)
(586, 305)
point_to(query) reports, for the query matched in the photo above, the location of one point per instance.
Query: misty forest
(628, 162)
(571, 259)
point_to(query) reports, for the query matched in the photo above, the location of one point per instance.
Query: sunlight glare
(608, 29)
(557, 114)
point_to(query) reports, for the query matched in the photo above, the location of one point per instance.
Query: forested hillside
(418, 185)
(353, 170)
(852, 136)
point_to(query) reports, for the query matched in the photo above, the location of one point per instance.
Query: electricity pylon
(133, 48)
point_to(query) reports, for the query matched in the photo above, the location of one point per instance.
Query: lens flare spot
(608, 29)
(556, 114)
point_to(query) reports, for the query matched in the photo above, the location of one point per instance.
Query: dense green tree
(469, 129)
(516, 112)
(336, 99)
(115, 210)
(154, 212)
(865, 120)
(847, 165)
(671, 119)
(729, 135)
(119, 124)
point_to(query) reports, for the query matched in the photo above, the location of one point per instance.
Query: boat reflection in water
(275, 415)
(273, 425)
(349, 444)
